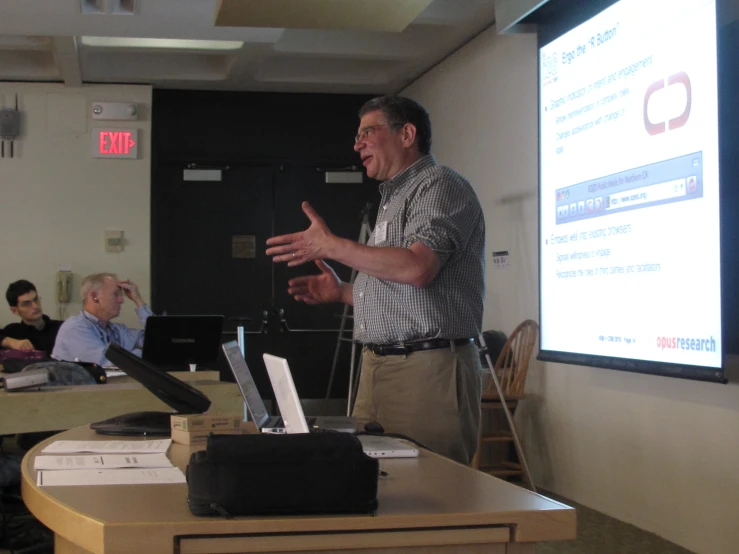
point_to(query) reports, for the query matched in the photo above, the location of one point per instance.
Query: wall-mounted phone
(63, 286)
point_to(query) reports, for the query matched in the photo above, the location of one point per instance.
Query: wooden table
(58, 408)
(187, 376)
(427, 505)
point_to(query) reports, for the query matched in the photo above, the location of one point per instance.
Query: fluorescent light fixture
(163, 43)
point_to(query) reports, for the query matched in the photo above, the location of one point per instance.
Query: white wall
(657, 452)
(57, 200)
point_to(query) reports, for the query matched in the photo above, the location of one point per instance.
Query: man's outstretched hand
(298, 248)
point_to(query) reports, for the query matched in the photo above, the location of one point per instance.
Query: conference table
(427, 504)
(56, 408)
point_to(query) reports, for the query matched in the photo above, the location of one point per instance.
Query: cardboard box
(249, 428)
(200, 437)
(205, 422)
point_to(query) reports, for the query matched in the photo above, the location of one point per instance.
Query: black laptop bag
(263, 474)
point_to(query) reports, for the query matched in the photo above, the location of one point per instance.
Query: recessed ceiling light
(92, 7)
(122, 7)
(110, 7)
(164, 43)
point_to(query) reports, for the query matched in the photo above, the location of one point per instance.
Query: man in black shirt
(35, 331)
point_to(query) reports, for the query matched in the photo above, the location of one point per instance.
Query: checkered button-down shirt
(436, 206)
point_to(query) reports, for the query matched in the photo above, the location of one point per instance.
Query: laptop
(377, 446)
(175, 341)
(258, 411)
(180, 396)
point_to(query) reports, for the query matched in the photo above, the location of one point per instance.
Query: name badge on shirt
(381, 232)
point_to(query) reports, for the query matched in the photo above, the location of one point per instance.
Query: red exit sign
(115, 143)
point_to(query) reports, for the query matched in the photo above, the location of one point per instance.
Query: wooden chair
(497, 452)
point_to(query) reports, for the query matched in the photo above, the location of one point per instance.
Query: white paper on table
(105, 461)
(109, 447)
(81, 477)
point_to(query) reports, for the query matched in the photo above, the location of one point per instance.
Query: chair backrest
(513, 362)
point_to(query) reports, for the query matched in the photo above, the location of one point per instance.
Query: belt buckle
(395, 350)
(390, 349)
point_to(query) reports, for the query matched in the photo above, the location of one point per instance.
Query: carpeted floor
(599, 534)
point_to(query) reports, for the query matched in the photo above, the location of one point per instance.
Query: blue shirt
(84, 338)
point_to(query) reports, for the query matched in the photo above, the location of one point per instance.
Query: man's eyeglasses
(29, 303)
(363, 134)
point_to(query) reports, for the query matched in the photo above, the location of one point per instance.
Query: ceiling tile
(371, 15)
(145, 66)
(349, 57)
(326, 70)
(27, 65)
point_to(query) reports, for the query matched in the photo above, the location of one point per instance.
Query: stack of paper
(109, 447)
(129, 462)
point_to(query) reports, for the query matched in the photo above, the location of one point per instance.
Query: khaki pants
(432, 396)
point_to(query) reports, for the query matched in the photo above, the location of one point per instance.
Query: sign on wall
(115, 143)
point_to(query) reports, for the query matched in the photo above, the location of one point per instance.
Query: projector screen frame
(553, 20)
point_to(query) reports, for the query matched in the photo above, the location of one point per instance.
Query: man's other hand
(317, 289)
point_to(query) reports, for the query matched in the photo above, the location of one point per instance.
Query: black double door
(208, 257)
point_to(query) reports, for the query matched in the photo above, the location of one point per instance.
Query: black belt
(405, 349)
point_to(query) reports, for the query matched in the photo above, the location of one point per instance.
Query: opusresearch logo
(687, 343)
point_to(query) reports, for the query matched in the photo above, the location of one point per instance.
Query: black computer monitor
(174, 341)
(183, 398)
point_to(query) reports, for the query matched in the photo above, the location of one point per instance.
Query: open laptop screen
(181, 396)
(286, 394)
(245, 382)
(170, 390)
(182, 339)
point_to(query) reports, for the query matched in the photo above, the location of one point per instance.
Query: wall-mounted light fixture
(115, 111)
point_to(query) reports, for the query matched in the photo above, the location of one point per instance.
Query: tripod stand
(364, 234)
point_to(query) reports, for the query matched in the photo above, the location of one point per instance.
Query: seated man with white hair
(85, 337)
